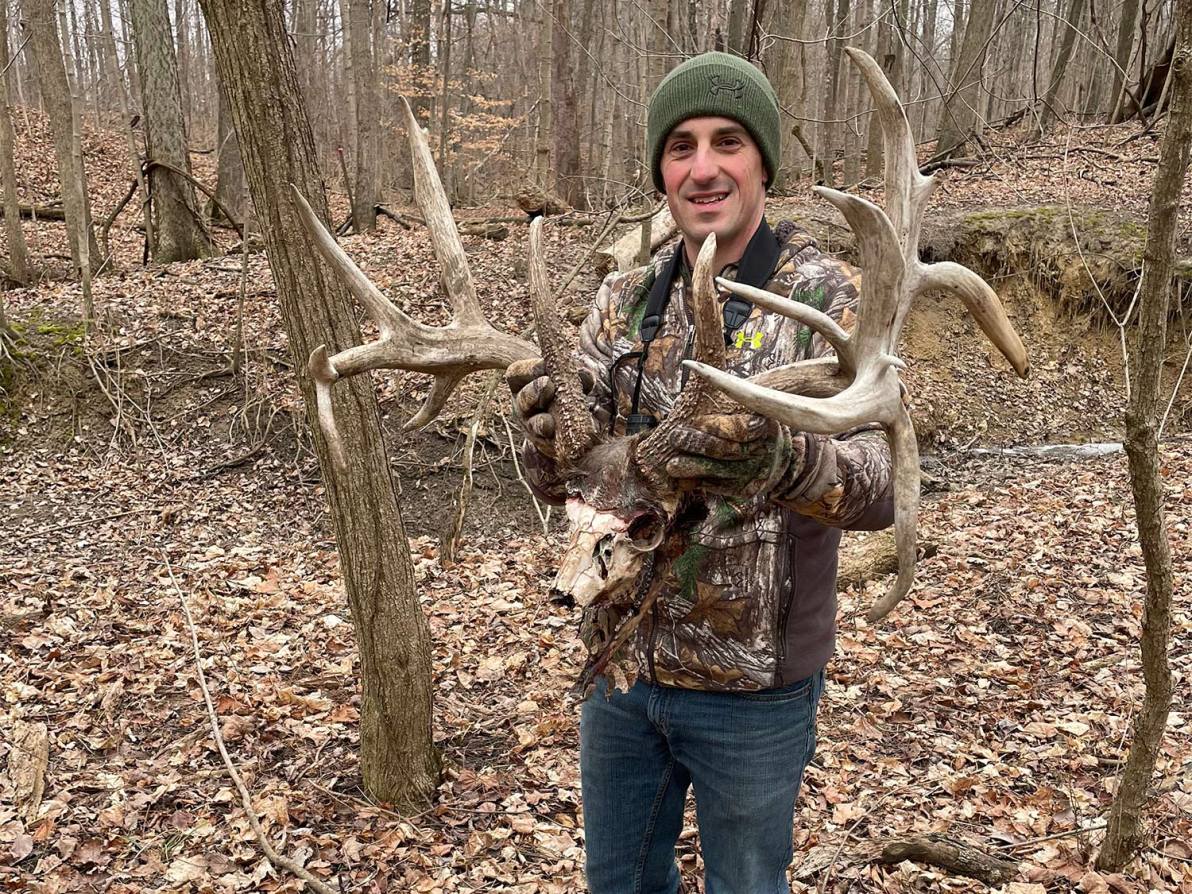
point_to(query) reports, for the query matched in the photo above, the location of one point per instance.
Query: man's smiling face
(715, 183)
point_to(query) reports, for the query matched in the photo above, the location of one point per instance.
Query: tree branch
(270, 854)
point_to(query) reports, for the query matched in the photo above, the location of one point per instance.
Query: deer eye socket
(645, 532)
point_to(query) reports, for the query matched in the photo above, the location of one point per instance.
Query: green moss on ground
(30, 344)
(52, 333)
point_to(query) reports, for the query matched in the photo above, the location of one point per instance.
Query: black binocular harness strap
(755, 268)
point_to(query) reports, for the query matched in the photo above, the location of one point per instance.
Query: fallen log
(40, 212)
(952, 856)
(483, 228)
(394, 216)
(871, 557)
(623, 254)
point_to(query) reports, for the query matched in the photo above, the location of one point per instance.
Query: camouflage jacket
(749, 592)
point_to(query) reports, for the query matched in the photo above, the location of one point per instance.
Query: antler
(698, 394)
(467, 344)
(574, 434)
(867, 363)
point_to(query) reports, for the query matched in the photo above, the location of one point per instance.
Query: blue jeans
(743, 754)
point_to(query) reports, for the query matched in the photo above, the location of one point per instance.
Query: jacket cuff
(813, 476)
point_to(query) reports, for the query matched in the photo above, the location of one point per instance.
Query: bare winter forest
(231, 662)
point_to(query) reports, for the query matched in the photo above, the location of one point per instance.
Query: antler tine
(708, 349)
(444, 235)
(574, 433)
(982, 302)
(907, 191)
(904, 456)
(804, 313)
(709, 323)
(449, 353)
(884, 298)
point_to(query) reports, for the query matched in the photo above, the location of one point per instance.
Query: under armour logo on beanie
(719, 85)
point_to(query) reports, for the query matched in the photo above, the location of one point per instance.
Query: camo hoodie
(748, 599)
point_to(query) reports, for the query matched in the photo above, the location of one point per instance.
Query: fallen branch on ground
(40, 212)
(106, 227)
(270, 854)
(875, 556)
(952, 856)
(449, 541)
(394, 216)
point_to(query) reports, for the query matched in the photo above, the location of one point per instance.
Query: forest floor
(138, 471)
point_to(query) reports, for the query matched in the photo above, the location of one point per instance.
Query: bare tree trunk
(788, 20)
(960, 115)
(130, 140)
(181, 17)
(738, 27)
(837, 20)
(419, 43)
(927, 36)
(177, 228)
(304, 47)
(954, 42)
(368, 115)
(1121, 55)
(229, 178)
(1067, 43)
(445, 95)
(41, 21)
(657, 39)
(94, 47)
(566, 124)
(1125, 831)
(397, 756)
(109, 61)
(18, 253)
(855, 101)
(543, 173)
(889, 57)
(88, 250)
(592, 40)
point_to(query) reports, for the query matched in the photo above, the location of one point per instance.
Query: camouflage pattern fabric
(724, 577)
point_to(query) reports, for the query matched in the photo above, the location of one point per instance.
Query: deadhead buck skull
(620, 501)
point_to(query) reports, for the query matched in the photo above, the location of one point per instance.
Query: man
(734, 648)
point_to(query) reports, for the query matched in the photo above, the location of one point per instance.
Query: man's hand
(534, 399)
(733, 454)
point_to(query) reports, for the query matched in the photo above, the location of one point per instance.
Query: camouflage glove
(737, 455)
(533, 401)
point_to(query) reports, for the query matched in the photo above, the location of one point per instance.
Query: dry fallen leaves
(994, 706)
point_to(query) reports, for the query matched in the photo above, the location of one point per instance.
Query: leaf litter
(994, 707)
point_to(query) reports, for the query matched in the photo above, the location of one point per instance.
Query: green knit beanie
(721, 85)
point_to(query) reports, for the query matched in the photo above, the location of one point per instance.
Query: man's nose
(703, 166)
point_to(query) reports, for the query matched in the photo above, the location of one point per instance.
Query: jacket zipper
(651, 641)
(787, 603)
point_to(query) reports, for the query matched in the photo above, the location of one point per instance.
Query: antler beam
(467, 344)
(866, 369)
